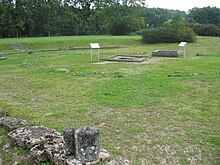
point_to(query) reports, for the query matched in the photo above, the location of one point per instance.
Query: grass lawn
(144, 114)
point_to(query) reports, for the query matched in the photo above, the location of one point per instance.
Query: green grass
(144, 115)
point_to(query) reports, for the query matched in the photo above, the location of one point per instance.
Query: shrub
(205, 29)
(168, 34)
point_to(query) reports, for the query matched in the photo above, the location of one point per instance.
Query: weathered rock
(104, 155)
(33, 135)
(55, 152)
(36, 154)
(12, 123)
(6, 147)
(69, 141)
(48, 145)
(2, 57)
(63, 70)
(120, 161)
(87, 144)
(72, 161)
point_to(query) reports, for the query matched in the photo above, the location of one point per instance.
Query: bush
(173, 32)
(168, 35)
(205, 29)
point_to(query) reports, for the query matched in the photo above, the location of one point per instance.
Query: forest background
(32, 18)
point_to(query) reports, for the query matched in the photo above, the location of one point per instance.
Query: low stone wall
(166, 53)
(78, 146)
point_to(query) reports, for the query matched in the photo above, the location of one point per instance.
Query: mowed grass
(145, 113)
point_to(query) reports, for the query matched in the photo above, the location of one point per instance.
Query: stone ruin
(125, 58)
(78, 146)
(166, 53)
(82, 142)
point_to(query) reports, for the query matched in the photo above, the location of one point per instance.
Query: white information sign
(94, 46)
(183, 45)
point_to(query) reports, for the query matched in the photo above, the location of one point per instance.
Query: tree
(20, 17)
(7, 25)
(206, 15)
(69, 17)
(156, 17)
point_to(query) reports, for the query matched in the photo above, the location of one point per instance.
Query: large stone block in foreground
(87, 144)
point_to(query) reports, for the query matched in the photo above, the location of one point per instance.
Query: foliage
(27, 18)
(206, 15)
(124, 26)
(173, 32)
(69, 17)
(205, 29)
(156, 17)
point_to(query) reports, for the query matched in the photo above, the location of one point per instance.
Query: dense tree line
(204, 21)
(21, 18)
(68, 17)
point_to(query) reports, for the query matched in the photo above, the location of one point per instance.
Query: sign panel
(182, 44)
(94, 45)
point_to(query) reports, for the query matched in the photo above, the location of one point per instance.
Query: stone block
(87, 144)
(69, 141)
(166, 53)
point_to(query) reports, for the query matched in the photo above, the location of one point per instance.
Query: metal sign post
(94, 46)
(183, 45)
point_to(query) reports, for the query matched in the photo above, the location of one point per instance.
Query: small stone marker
(87, 144)
(69, 141)
(2, 57)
